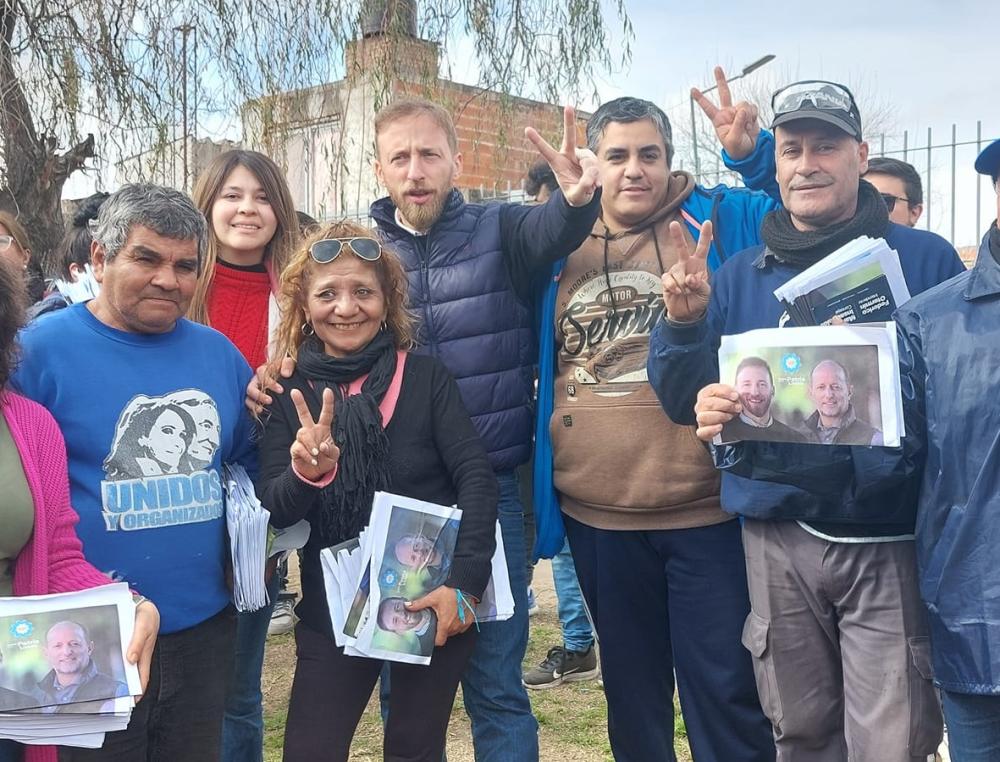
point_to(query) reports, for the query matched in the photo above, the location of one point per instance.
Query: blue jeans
(503, 727)
(10, 751)
(973, 726)
(576, 631)
(243, 726)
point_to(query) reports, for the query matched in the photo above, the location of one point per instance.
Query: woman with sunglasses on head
(253, 228)
(39, 550)
(360, 414)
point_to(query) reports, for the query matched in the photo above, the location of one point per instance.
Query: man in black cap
(837, 631)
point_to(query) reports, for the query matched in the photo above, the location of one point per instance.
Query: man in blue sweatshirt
(837, 631)
(135, 387)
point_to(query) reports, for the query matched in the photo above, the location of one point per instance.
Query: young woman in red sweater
(253, 229)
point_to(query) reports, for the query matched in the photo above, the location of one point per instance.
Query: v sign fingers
(577, 179)
(685, 285)
(314, 453)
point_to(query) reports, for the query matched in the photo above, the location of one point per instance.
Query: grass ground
(571, 719)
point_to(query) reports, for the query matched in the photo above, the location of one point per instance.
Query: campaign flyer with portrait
(825, 385)
(63, 671)
(411, 557)
(404, 553)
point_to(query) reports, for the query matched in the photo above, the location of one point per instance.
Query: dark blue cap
(988, 162)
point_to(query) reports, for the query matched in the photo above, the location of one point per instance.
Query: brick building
(324, 137)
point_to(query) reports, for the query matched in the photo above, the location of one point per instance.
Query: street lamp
(748, 69)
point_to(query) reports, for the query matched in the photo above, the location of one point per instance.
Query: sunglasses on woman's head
(325, 251)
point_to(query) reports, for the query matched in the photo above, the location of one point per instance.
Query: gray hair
(165, 211)
(628, 110)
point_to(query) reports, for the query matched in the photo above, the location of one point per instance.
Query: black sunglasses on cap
(325, 251)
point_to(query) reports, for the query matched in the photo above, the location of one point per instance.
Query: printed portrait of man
(835, 419)
(754, 383)
(73, 676)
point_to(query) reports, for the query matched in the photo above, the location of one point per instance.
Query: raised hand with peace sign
(736, 126)
(576, 169)
(314, 454)
(685, 285)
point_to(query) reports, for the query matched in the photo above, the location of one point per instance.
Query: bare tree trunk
(35, 172)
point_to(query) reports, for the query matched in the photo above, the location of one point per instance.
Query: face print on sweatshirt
(158, 472)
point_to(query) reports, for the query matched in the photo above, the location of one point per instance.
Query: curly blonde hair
(295, 278)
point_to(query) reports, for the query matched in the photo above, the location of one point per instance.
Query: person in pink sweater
(39, 550)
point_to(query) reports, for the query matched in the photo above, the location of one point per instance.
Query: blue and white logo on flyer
(21, 628)
(389, 578)
(791, 362)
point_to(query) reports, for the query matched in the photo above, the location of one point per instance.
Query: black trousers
(180, 715)
(330, 692)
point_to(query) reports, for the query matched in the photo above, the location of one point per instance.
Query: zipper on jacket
(425, 284)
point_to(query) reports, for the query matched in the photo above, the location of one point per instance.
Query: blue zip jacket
(684, 358)
(736, 214)
(470, 282)
(950, 359)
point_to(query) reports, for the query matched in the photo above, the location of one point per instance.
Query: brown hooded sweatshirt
(619, 462)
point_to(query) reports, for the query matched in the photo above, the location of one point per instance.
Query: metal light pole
(185, 30)
(749, 68)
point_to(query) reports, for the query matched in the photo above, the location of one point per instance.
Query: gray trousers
(840, 647)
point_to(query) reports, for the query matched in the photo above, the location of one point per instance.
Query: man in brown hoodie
(660, 564)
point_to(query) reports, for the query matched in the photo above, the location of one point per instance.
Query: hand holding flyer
(828, 385)
(385, 590)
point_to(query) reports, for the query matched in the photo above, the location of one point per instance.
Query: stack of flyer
(252, 540)
(64, 678)
(860, 282)
(407, 549)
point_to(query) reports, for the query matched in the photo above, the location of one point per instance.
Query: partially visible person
(836, 629)
(835, 420)
(39, 549)
(949, 347)
(15, 250)
(92, 365)
(73, 281)
(253, 227)
(73, 676)
(360, 413)
(539, 184)
(900, 186)
(755, 384)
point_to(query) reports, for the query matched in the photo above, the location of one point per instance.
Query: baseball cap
(988, 161)
(817, 99)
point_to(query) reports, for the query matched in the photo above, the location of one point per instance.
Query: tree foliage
(83, 79)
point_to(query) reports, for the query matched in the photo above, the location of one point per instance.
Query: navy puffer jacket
(469, 281)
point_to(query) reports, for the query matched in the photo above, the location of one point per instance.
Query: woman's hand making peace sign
(314, 454)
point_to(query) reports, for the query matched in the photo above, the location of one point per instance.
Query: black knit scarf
(357, 429)
(994, 242)
(806, 248)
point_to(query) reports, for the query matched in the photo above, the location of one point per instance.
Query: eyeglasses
(5, 242)
(826, 96)
(325, 251)
(890, 201)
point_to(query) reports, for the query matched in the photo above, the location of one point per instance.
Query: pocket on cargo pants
(756, 640)
(926, 722)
